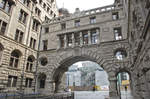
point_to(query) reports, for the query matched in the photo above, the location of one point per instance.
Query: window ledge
(21, 22)
(13, 68)
(4, 11)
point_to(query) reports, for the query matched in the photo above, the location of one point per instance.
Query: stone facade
(139, 39)
(95, 35)
(20, 20)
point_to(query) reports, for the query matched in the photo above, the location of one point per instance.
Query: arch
(64, 61)
(14, 58)
(42, 80)
(30, 63)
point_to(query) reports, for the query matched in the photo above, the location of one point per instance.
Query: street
(98, 95)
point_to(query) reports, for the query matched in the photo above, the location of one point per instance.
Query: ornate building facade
(116, 37)
(20, 26)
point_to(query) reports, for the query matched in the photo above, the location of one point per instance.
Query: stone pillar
(65, 40)
(73, 40)
(59, 87)
(89, 37)
(59, 42)
(113, 88)
(98, 36)
(81, 39)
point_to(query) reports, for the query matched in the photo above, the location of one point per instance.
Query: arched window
(14, 59)
(30, 62)
(120, 54)
(1, 52)
(42, 79)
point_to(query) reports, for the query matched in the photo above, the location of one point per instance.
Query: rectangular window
(77, 23)
(35, 25)
(31, 40)
(94, 37)
(3, 27)
(62, 41)
(69, 39)
(63, 26)
(46, 29)
(32, 43)
(115, 16)
(5, 5)
(19, 36)
(38, 11)
(117, 33)
(45, 44)
(77, 38)
(28, 82)
(12, 81)
(22, 16)
(85, 37)
(92, 20)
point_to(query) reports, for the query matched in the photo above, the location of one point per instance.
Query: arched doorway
(124, 85)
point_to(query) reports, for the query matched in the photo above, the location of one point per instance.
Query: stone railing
(82, 13)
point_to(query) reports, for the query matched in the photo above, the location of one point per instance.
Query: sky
(82, 4)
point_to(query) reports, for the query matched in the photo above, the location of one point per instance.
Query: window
(46, 29)
(12, 81)
(32, 43)
(29, 65)
(94, 37)
(37, 11)
(51, 12)
(77, 38)
(63, 26)
(117, 33)
(85, 37)
(3, 26)
(28, 82)
(48, 9)
(77, 23)
(22, 16)
(5, 5)
(14, 59)
(35, 25)
(40, 1)
(62, 41)
(69, 39)
(115, 16)
(26, 2)
(43, 61)
(44, 5)
(42, 79)
(45, 44)
(93, 20)
(46, 18)
(1, 52)
(120, 54)
(19, 36)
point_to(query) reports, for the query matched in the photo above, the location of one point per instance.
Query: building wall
(104, 23)
(9, 44)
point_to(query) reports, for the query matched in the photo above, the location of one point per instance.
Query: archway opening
(124, 85)
(82, 76)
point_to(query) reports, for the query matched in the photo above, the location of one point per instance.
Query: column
(81, 39)
(59, 42)
(98, 36)
(65, 41)
(113, 88)
(73, 40)
(89, 37)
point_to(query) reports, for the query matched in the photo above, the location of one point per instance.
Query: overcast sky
(82, 4)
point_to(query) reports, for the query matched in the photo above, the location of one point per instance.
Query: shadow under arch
(65, 64)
